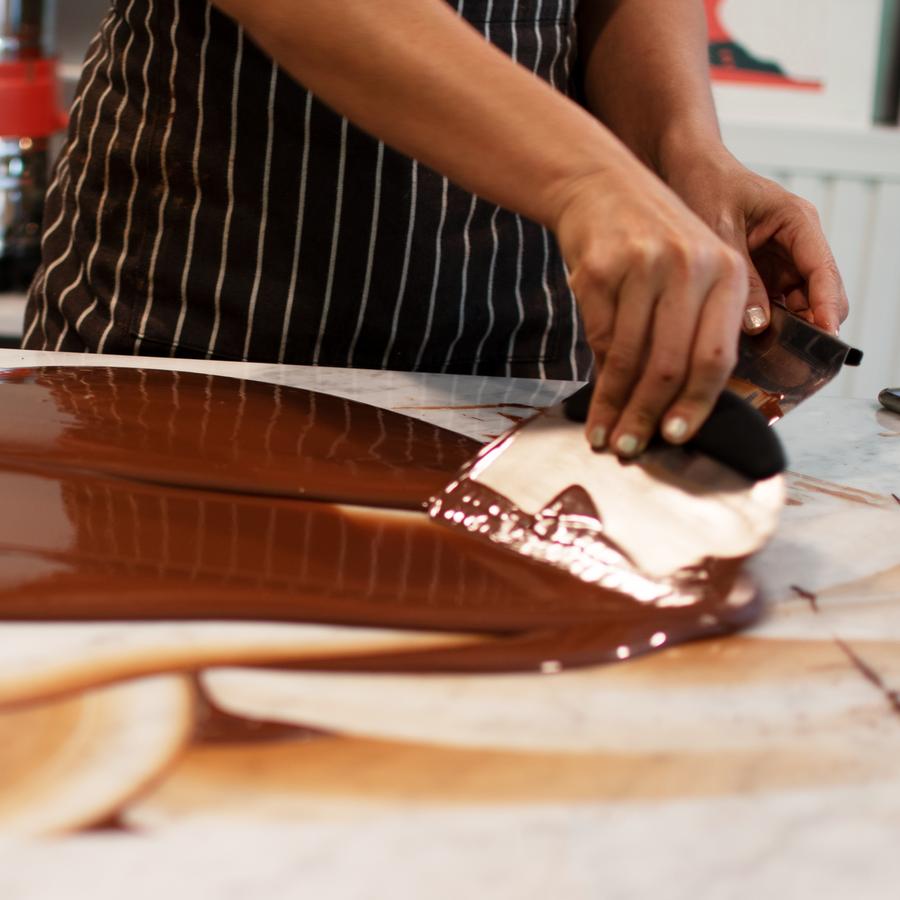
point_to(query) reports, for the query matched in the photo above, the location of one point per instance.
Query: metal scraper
(539, 490)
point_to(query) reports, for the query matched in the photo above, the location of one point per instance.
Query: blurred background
(807, 91)
(76, 24)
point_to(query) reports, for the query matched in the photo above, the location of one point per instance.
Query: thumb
(756, 312)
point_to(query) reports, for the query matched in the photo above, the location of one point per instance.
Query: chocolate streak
(150, 495)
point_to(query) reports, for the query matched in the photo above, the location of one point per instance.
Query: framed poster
(804, 62)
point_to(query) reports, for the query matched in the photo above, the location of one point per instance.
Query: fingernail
(755, 318)
(598, 438)
(627, 445)
(675, 429)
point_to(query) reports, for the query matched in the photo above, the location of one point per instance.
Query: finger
(595, 292)
(778, 275)
(625, 357)
(674, 327)
(797, 301)
(598, 316)
(712, 360)
(814, 261)
(827, 298)
(756, 312)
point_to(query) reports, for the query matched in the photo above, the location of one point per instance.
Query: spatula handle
(734, 434)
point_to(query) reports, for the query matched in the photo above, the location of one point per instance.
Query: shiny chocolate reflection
(223, 434)
(131, 495)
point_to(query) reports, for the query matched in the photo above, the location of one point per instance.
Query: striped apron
(206, 205)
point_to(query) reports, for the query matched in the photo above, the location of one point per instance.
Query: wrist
(684, 145)
(600, 164)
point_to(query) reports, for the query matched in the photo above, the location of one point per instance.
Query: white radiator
(853, 177)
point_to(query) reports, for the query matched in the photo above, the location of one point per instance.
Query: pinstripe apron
(206, 205)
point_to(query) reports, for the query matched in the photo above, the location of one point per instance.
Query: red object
(773, 79)
(718, 34)
(29, 104)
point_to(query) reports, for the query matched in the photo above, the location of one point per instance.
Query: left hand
(778, 233)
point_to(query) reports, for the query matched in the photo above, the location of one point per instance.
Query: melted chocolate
(768, 403)
(477, 406)
(225, 434)
(159, 495)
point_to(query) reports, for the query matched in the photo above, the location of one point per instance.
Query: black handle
(734, 434)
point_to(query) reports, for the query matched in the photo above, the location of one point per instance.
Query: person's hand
(662, 298)
(777, 233)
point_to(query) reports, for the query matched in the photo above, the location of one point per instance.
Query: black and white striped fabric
(206, 205)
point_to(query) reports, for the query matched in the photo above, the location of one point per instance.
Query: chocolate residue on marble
(213, 725)
(808, 483)
(151, 495)
(114, 823)
(809, 596)
(473, 406)
(512, 417)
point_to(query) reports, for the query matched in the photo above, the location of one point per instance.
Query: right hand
(662, 299)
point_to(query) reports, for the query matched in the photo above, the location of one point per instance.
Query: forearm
(646, 75)
(414, 74)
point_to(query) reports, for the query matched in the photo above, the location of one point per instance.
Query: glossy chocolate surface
(227, 434)
(138, 494)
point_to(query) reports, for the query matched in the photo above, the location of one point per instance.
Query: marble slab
(762, 764)
(478, 407)
(73, 761)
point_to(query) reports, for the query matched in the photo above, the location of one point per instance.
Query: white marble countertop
(766, 764)
(468, 404)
